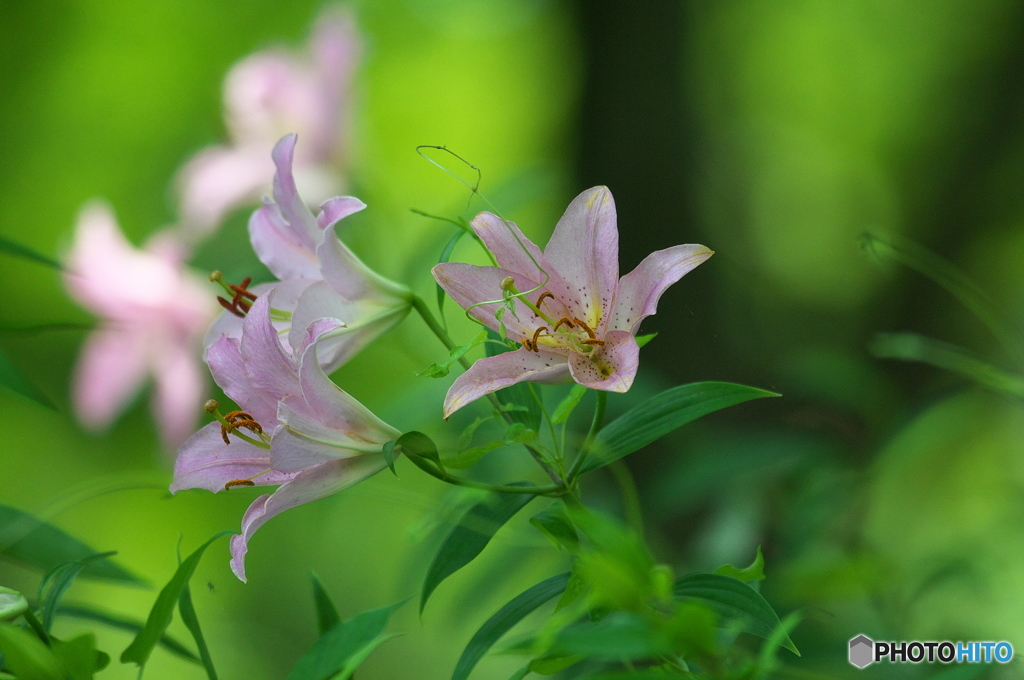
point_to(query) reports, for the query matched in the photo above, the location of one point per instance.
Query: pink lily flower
(304, 433)
(266, 95)
(153, 313)
(320, 276)
(580, 320)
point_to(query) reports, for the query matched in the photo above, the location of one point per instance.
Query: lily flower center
(567, 333)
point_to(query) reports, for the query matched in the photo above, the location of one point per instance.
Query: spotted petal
(309, 485)
(470, 285)
(640, 290)
(611, 367)
(584, 250)
(494, 373)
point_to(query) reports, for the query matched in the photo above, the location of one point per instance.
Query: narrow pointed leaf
(15, 249)
(344, 647)
(504, 620)
(914, 347)
(13, 379)
(26, 539)
(470, 536)
(753, 572)
(326, 613)
(942, 272)
(126, 624)
(568, 405)
(733, 599)
(663, 413)
(26, 656)
(191, 621)
(163, 609)
(56, 583)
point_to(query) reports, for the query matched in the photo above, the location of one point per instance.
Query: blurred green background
(886, 495)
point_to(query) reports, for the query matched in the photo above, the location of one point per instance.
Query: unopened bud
(508, 283)
(211, 406)
(215, 276)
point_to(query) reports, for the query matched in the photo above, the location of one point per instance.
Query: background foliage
(885, 495)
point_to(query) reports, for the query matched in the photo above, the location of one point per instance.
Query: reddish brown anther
(238, 482)
(236, 419)
(242, 299)
(582, 324)
(564, 320)
(543, 296)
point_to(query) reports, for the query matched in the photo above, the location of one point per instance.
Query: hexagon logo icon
(862, 651)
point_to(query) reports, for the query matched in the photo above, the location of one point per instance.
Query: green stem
(588, 443)
(428, 318)
(427, 467)
(37, 626)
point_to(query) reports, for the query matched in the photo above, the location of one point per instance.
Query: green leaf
(79, 656)
(754, 572)
(642, 340)
(549, 665)
(662, 413)
(342, 649)
(389, 456)
(567, 405)
(470, 536)
(471, 456)
(456, 353)
(56, 583)
(733, 599)
(503, 621)
(129, 625)
(27, 657)
(44, 546)
(518, 394)
(12, 604)
(556, 525)
(13, 379)
(942, 272)
(9, 247)
(191, 621)
(914, 347)
(326, 613)
(620, 635)
(445, 256)
(420, 445)
(517, 433)
(163, 609)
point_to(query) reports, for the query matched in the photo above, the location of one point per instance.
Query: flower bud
(12, 604)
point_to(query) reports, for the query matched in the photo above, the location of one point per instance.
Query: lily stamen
(543, 296)
(536, 335)
(236, 419)
(238, 482)
(564, 320)
(582, 324)
(241, 298)
(592, 341)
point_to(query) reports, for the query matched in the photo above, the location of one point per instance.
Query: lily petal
(639, 290)
(364, 322)
(352, 279)
(216, 181)
(277, 247)
(336, 209)
(468, 285)
(286, 194)
(310, 485)
(111, 369)
(611, 367)
(206, 462)
(584, 250)
(287, 297)
(270, 370)
(494, 373)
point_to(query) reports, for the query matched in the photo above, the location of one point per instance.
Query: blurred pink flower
(152, 316)
(267, 95)
(320, 276)
(582, 322)
(313, 438)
